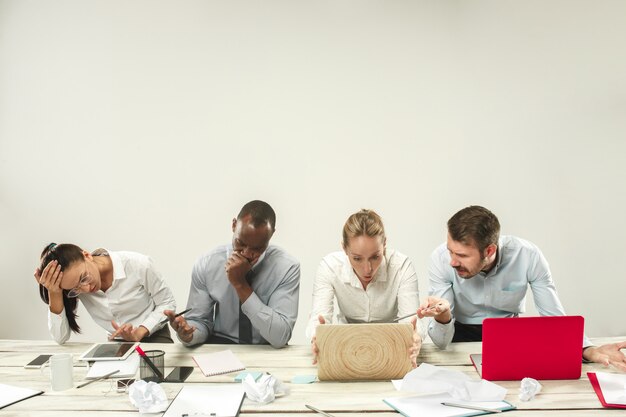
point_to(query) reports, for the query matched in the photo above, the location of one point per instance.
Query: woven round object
(373, 351)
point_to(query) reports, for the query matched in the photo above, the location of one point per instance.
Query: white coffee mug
(61, 371)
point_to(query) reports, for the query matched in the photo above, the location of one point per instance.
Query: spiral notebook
(218, 363)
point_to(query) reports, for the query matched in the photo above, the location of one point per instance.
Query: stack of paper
(218, 363)
(127, 368)
(432, 406)
(10, 394)
(222, 399)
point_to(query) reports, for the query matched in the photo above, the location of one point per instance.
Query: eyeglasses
(84, 280)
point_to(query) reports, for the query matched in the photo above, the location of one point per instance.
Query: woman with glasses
(122, 292)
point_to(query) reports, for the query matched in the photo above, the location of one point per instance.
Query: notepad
(11, 395)
(222, 399)
(430, 405)
(127, 368)
(218, 363)
(242, 375)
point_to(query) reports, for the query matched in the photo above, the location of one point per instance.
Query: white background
(146, 125)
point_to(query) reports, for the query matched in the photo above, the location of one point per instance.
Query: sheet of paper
(222, 399)
(431, 379)
(10, 394)
(430, 405)
(127, 368)
(613, 387)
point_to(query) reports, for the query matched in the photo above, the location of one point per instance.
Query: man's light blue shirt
(499, 293)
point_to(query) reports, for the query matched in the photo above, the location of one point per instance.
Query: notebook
(11, 395)
(222, 399)
(431, 406)
(218, 363)
(361, 352)
(609, 388)
(536, 347)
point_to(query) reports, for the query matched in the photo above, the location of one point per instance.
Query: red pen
(149, 363)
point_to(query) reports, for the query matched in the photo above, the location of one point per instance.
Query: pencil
(179, 314)
(403, 317)
(105, 376)
(473, 407)
(317, 410)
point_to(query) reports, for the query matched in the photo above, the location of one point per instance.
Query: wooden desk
(558, 398)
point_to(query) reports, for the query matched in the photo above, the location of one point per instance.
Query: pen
(149, 363)
(105, 376)
(179, 314)
(187, 415)
(317, 410)
(473, 407)
(403, 317)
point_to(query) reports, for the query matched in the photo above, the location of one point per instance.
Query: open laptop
(535, 347)
(361, 352)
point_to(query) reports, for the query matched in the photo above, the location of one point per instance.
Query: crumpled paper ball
(148, 397)
(528, 389)
(265, 390)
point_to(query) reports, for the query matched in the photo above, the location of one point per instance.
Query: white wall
(145, 125)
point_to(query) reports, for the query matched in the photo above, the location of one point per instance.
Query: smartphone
(179, 374)
(38, 362)
(123, 384)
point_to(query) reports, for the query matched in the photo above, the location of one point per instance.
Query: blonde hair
(363, 223)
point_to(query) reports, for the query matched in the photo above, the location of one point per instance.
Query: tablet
(113, 351)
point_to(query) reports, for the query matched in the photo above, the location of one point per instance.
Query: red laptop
(536, 347)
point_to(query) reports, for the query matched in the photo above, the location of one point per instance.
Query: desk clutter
(259, 388)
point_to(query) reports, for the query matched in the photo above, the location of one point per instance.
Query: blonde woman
(371, 284)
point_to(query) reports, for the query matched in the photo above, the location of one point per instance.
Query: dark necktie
(245, 327)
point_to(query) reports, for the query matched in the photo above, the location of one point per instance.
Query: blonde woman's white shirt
(137, 296)
(392, 293)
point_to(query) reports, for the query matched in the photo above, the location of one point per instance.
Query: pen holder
(157, 357)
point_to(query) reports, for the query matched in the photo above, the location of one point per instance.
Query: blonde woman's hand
(414, 350)
(314, 347)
